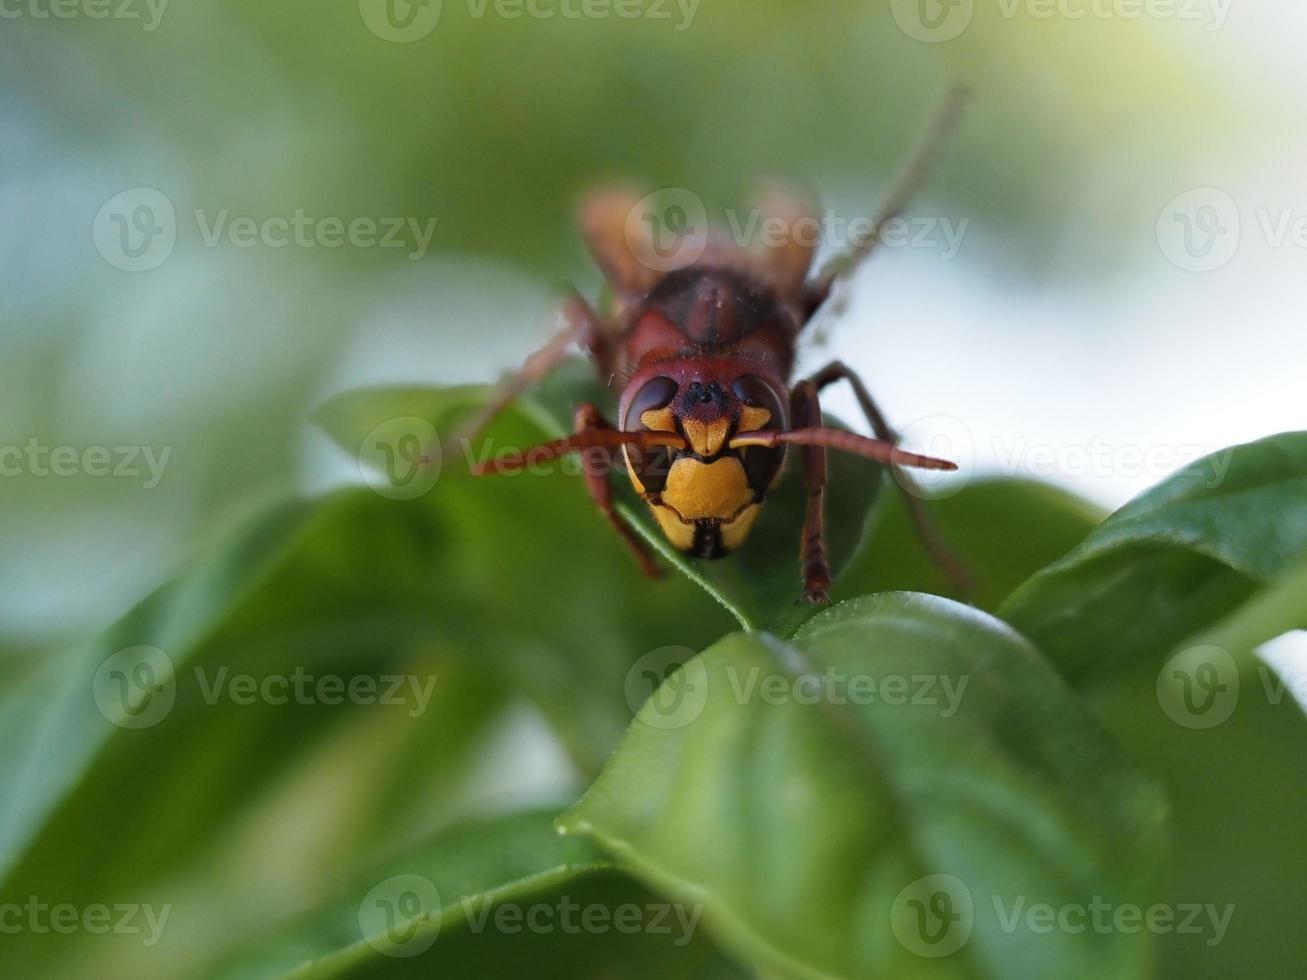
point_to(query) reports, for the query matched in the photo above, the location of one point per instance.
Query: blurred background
(1060, 323)
(1124, 293)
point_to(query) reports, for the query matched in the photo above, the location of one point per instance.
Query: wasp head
(707, 495)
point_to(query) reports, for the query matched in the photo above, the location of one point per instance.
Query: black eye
(650, 465)
(761, 464)
(657, 393)
(756, 393)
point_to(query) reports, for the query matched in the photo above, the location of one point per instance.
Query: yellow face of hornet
(707, 497)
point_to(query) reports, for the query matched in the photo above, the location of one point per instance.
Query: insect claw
(818, 596)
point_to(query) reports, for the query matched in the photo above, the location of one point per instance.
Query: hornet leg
(939, 552)
(596, 465)
(581, 327)
(806, 413)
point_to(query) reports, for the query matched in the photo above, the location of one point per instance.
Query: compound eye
(651, 409)
(652, 396)
(763, 406)
(763, 409)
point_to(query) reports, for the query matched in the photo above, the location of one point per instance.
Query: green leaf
(503, 897)
(1238, 791)
(810, 793)
(1267, 614)
(339, 588)
(1229, 751)
(1002, 530)
(1179, 558)
(760, 585)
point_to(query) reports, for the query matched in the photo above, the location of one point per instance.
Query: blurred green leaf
(1269, 613)
(1238, 792)
(806, 807)
(1179, 558)
(1232, 768)
(340, 588)
(504, 897)
(760, 585)
(1002, 530)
